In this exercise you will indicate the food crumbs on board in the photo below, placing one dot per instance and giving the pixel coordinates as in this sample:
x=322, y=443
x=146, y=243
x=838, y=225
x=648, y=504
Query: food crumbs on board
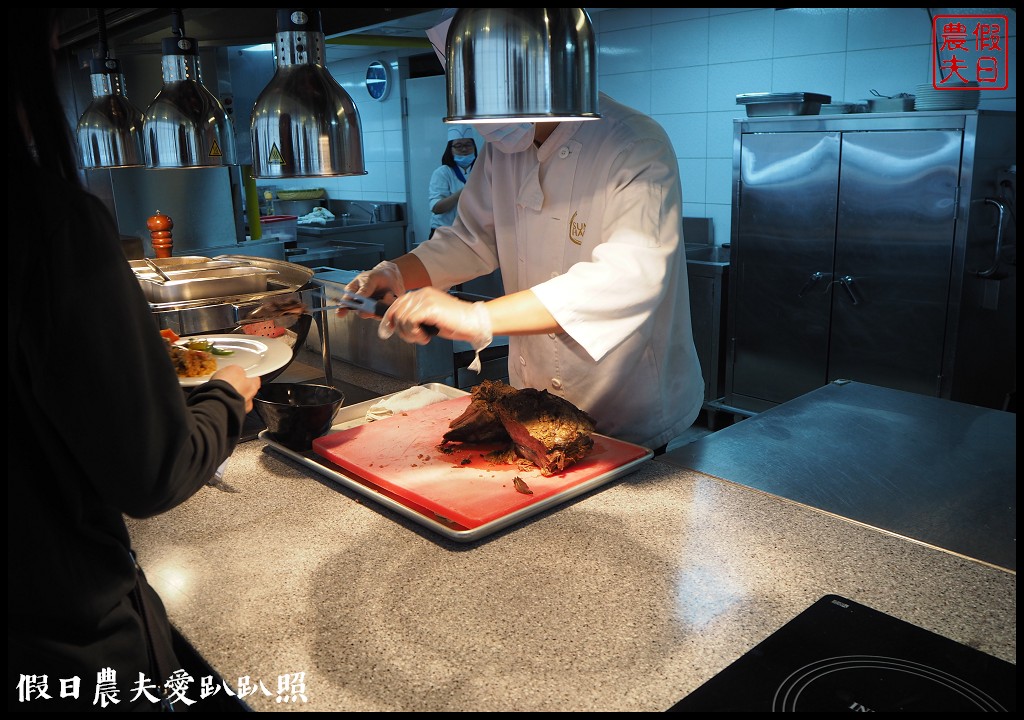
x=521, y=486
x=466, y=461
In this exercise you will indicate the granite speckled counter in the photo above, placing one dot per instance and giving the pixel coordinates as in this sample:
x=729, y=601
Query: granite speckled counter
x=624, y=599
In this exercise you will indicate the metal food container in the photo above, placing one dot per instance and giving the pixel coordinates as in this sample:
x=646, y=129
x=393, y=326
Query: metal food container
x=841, y=108
x=196, y=278
x=772, y=104
x=893, y=104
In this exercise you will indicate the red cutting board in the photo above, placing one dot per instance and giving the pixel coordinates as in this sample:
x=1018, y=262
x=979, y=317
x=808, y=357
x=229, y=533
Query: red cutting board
x=400, y=455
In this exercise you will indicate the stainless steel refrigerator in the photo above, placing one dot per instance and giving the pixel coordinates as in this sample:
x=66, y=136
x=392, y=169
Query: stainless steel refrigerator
x=873, y=247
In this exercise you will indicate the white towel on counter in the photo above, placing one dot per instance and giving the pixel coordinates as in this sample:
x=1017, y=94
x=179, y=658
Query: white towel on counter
x=410, y=399
x=318, y=216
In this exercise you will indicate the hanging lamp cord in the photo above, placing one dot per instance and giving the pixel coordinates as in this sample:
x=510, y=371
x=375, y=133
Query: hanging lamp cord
x=101, y=31
x=177, y=22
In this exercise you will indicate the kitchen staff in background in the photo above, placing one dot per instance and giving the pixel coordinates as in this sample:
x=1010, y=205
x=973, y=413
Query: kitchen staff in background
x=98, y=425
x=447, y=181
x=584, y=220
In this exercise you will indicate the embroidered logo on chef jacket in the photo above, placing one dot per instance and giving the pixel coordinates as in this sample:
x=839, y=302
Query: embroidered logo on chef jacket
x=576, y=229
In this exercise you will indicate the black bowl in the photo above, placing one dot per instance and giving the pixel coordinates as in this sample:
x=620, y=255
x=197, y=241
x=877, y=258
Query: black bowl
x=297, y=413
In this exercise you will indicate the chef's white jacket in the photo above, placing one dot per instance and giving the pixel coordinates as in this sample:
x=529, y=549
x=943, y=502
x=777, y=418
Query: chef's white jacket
x=591, y=222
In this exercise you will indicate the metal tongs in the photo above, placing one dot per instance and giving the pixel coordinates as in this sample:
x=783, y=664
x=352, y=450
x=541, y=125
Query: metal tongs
x=164, y=277
x=290, y=305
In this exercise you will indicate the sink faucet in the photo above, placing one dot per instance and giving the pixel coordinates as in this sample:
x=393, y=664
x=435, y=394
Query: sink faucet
x=371, y=210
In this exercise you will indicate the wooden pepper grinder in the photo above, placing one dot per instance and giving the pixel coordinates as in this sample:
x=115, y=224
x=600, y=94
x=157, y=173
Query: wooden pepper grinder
x=160, y=230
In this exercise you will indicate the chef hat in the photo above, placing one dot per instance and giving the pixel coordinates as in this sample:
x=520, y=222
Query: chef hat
x=457, y=132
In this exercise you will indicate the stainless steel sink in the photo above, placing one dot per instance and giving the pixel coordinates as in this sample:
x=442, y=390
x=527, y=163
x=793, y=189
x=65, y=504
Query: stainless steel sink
x=351, y=222
x=339, y=222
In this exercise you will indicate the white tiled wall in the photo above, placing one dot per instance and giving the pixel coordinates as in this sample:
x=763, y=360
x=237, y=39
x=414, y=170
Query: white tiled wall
x=685, y=66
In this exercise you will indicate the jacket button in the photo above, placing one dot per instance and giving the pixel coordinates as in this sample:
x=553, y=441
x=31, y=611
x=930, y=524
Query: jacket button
x=563, y=153
x=522, y=360
x=556, y=383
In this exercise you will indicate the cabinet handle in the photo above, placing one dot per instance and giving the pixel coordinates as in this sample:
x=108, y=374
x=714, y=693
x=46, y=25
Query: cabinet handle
x=814, y=278
x=847, y=282
x=999, y=240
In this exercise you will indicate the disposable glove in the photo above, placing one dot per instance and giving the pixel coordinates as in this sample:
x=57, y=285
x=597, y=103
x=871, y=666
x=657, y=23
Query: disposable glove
x=455, y=319
x=382, y=282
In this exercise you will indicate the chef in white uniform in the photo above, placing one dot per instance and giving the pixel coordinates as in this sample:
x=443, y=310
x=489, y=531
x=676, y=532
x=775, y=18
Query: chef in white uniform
x=584, y=221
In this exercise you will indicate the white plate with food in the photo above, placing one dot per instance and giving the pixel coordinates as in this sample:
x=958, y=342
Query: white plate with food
x=256, y=355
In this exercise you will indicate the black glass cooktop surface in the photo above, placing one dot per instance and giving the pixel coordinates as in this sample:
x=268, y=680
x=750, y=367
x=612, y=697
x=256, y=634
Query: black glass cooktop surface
x=840, y=656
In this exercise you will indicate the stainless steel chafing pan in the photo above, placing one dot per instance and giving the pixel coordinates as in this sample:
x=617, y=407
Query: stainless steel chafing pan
x=205, y=284
x=225, y=313
x=202, y=280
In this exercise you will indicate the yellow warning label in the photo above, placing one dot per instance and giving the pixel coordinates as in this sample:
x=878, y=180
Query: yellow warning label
x=275, y=156
x=215, y=150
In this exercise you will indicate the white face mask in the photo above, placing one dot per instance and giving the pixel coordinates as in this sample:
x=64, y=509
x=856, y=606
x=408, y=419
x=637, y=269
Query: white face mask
x=508, y=138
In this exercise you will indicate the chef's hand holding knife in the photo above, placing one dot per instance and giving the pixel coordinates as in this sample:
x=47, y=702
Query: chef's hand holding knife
x=454, y=319
x=411, y=314
x=419, y=315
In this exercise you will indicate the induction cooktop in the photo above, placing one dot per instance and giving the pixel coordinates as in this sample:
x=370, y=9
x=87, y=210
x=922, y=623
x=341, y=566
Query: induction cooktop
x=840, y=656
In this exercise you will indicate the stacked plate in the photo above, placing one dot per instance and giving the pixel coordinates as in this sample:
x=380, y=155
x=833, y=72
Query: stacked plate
x=950, y=96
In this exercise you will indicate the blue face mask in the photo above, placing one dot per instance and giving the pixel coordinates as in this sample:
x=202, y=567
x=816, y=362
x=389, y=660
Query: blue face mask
x=464, y=161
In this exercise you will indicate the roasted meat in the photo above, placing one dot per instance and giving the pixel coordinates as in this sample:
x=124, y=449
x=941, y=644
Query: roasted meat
x=479, y=424
x=545, y=429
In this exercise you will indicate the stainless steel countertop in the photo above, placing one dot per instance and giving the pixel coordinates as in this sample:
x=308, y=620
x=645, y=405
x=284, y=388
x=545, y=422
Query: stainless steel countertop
x=936, y=471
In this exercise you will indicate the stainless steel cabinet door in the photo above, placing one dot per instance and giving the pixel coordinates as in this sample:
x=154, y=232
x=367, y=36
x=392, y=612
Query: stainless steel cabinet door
x=894, y=246
x=783, y=263
x=843, y=259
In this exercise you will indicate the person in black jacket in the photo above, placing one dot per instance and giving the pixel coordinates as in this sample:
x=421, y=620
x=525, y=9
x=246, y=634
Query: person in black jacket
x=98, y=424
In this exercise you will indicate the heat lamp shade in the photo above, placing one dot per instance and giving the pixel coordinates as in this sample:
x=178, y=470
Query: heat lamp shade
x=304, y=124
x=185, y=124
x=109, y=132
x=527, y=64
